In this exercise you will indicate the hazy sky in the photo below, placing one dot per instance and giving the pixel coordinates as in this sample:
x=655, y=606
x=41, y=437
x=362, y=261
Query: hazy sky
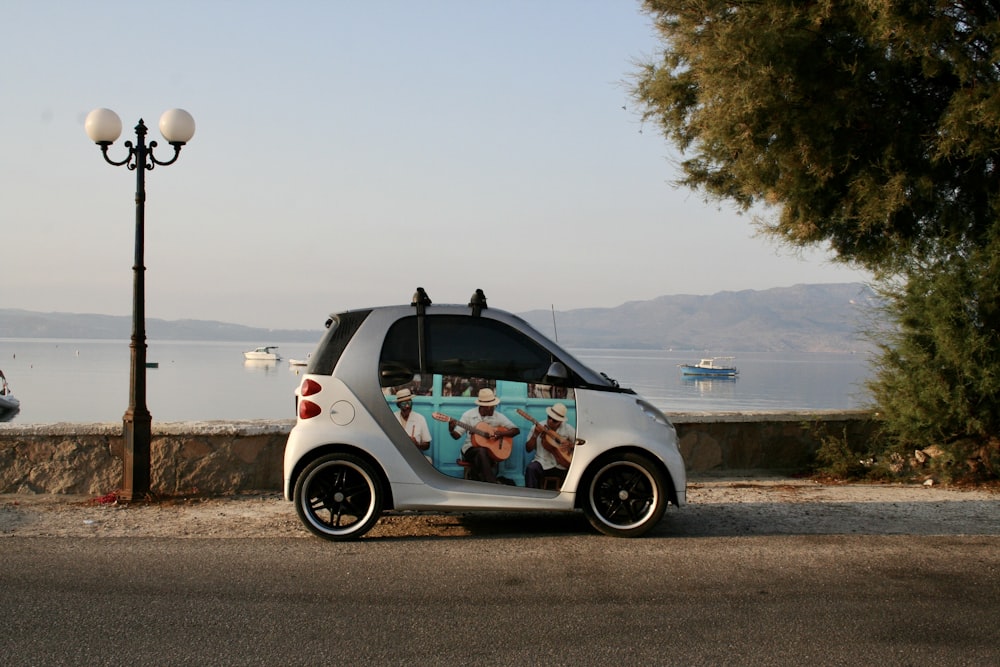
x=347, y=152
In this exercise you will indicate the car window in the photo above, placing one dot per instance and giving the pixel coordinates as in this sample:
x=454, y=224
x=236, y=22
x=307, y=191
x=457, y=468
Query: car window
x=484, y=348
x=400, y=354
x=339, y=331
x=466, y=346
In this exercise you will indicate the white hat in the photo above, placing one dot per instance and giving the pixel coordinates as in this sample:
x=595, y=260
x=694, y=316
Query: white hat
x=487, y=397
x=404, y=395
x=557, y=412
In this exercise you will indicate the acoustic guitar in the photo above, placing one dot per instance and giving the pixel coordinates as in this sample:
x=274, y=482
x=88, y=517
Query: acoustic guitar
x=483, y=435
x=561, y=448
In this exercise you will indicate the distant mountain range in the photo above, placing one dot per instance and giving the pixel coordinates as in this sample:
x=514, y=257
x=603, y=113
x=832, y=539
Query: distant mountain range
x=803, y=318
x=29, y=324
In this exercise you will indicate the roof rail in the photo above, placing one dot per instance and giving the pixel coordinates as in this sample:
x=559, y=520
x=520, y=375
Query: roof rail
x=420, y=300
x=478, y=303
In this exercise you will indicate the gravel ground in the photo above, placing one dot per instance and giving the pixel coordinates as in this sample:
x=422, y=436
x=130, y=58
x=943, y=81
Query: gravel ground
x=717, y=507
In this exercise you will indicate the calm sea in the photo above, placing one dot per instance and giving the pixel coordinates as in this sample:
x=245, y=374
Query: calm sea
x=87, y=380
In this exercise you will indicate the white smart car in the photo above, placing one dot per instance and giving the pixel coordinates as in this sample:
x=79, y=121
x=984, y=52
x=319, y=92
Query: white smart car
x=458, y=408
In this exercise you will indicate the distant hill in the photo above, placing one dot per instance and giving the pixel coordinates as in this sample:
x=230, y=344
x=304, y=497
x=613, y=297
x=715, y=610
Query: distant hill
x=803, y=318
x=28, y=324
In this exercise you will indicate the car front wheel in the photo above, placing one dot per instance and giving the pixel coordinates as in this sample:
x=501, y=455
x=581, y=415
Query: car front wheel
x=338, y=497
x=625, y=496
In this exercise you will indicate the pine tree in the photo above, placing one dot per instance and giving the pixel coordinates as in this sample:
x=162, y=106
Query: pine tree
x=871, y=127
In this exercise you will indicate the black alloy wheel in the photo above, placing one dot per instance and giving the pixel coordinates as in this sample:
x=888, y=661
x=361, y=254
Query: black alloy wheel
x=338, y=497
x=626, y=496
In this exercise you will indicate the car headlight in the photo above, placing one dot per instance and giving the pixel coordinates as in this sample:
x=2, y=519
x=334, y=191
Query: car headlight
x=653, y=413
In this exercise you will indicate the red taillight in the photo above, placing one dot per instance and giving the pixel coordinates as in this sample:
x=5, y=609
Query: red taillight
x=308, y=409
x=310, y=387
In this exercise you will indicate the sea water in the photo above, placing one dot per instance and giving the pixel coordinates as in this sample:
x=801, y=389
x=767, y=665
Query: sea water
x=88, y=380
x=766, y=381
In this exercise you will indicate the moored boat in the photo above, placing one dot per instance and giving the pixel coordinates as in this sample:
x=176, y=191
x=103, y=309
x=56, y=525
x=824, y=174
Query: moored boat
x=9, y=404
x=262, y=354
x=711, y=368
x=300, y=362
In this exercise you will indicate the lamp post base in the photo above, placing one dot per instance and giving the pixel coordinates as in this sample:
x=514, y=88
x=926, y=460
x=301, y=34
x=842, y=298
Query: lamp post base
x=136, y=456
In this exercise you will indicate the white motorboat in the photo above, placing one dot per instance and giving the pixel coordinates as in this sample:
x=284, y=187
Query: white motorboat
x=8, y=402
x=300, y=362
x=262, y=354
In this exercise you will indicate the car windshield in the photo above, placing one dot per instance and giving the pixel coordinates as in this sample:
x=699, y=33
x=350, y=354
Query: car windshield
x=588, y=376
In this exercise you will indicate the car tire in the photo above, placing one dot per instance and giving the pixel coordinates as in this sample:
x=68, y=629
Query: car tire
x=339, y=497
x=625, y=496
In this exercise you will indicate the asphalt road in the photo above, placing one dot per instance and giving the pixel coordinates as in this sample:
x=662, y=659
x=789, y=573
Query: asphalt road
x=562, y=597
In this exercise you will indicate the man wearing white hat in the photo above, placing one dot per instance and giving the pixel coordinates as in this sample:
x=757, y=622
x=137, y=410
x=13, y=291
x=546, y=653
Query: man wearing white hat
x=480, y=458
x=552, y=446
x=412, y=422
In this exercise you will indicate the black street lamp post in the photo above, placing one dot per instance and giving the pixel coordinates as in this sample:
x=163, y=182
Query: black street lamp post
x=104, y=127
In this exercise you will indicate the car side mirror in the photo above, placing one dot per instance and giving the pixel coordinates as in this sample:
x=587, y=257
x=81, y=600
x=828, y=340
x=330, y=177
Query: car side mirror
x=557, y=373
x=393, y=374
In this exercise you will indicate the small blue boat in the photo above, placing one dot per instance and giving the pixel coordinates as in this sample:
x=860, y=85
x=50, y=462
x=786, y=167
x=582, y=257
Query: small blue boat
x=711, y=368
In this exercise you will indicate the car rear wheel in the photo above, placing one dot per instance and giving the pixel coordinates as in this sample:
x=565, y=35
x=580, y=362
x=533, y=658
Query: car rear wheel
x=338, y=497
x=625, y=496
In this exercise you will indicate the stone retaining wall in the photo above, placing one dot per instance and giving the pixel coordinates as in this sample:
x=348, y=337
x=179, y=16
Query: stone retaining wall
x=778, y=442
x=220, y=458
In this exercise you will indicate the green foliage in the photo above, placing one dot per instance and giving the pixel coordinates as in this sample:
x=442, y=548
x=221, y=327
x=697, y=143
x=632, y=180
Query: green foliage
x=838, y=457
x=937, y=378
x=873, y=458
x=873, y=124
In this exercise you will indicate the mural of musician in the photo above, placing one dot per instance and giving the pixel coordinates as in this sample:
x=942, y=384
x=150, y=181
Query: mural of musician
x=489, y=436
x=496, y=438
x=553, y=443
x=412, y=422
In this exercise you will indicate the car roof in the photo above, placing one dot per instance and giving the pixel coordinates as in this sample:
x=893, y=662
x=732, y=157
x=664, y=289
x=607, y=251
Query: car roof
x=589, y=375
